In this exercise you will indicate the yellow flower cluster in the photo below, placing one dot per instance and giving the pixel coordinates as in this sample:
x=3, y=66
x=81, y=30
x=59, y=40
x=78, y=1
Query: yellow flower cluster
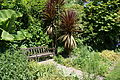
x=111, y=55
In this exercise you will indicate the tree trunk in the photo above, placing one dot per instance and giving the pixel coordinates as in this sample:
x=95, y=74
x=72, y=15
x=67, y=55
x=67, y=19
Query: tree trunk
x=67, y=52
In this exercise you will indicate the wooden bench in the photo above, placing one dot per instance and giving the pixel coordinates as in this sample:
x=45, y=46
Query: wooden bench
x=37, y=52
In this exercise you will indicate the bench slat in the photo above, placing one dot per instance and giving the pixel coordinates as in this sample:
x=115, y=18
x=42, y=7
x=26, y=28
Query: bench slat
x=36, y=52
x=40, y=55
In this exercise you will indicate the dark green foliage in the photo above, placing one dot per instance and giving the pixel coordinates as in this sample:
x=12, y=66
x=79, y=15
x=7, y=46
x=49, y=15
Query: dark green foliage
x=37, y=7
x=7, y=26
x=39, y=38
x=31, y=37
x=101, y=25
x=14, y=66
x=25, y=31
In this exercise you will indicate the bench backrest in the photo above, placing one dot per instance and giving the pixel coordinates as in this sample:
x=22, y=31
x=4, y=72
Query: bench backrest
x=37, y=51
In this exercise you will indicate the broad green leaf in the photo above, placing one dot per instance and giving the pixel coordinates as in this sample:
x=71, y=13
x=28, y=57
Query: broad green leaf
x=19, y=36
x=27, y=34
x=23, y=46
x=6, y=14
x=6, y=36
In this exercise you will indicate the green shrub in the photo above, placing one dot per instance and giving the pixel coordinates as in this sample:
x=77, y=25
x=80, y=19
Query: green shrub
x=37, y=7
x=39, y=38
x=86, y=60
x=47, y=72
x=14, y=66
x=90, y=61
x=54, y=77
x=102, y=28
x=60, y=49
x=41, y=70
x=29, y=23
x=115, y=73
x=64, y=61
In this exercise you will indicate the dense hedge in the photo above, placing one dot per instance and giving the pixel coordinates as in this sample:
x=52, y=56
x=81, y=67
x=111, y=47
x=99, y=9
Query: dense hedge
x=14, y=66
x=102, y=25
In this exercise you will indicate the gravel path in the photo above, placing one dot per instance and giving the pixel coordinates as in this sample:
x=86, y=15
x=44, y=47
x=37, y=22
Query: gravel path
x=69, y=71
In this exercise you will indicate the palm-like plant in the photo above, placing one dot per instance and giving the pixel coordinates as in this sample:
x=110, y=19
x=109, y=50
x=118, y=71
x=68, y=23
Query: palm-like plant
x=50, y=12
x=50, y=15
x=57, y=2
x=68, y=26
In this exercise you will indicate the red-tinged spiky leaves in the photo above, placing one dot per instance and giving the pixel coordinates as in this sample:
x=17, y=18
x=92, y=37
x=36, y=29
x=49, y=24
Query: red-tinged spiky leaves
x=68, y=21
x=57, y=2
x=49, y=12
x=60, y=2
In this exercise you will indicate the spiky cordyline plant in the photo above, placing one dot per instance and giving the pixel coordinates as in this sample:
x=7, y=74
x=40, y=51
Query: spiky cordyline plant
x=68, y=25
x=49, y=16
x=57, y=2
x=68, y=21
x=50, y=12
